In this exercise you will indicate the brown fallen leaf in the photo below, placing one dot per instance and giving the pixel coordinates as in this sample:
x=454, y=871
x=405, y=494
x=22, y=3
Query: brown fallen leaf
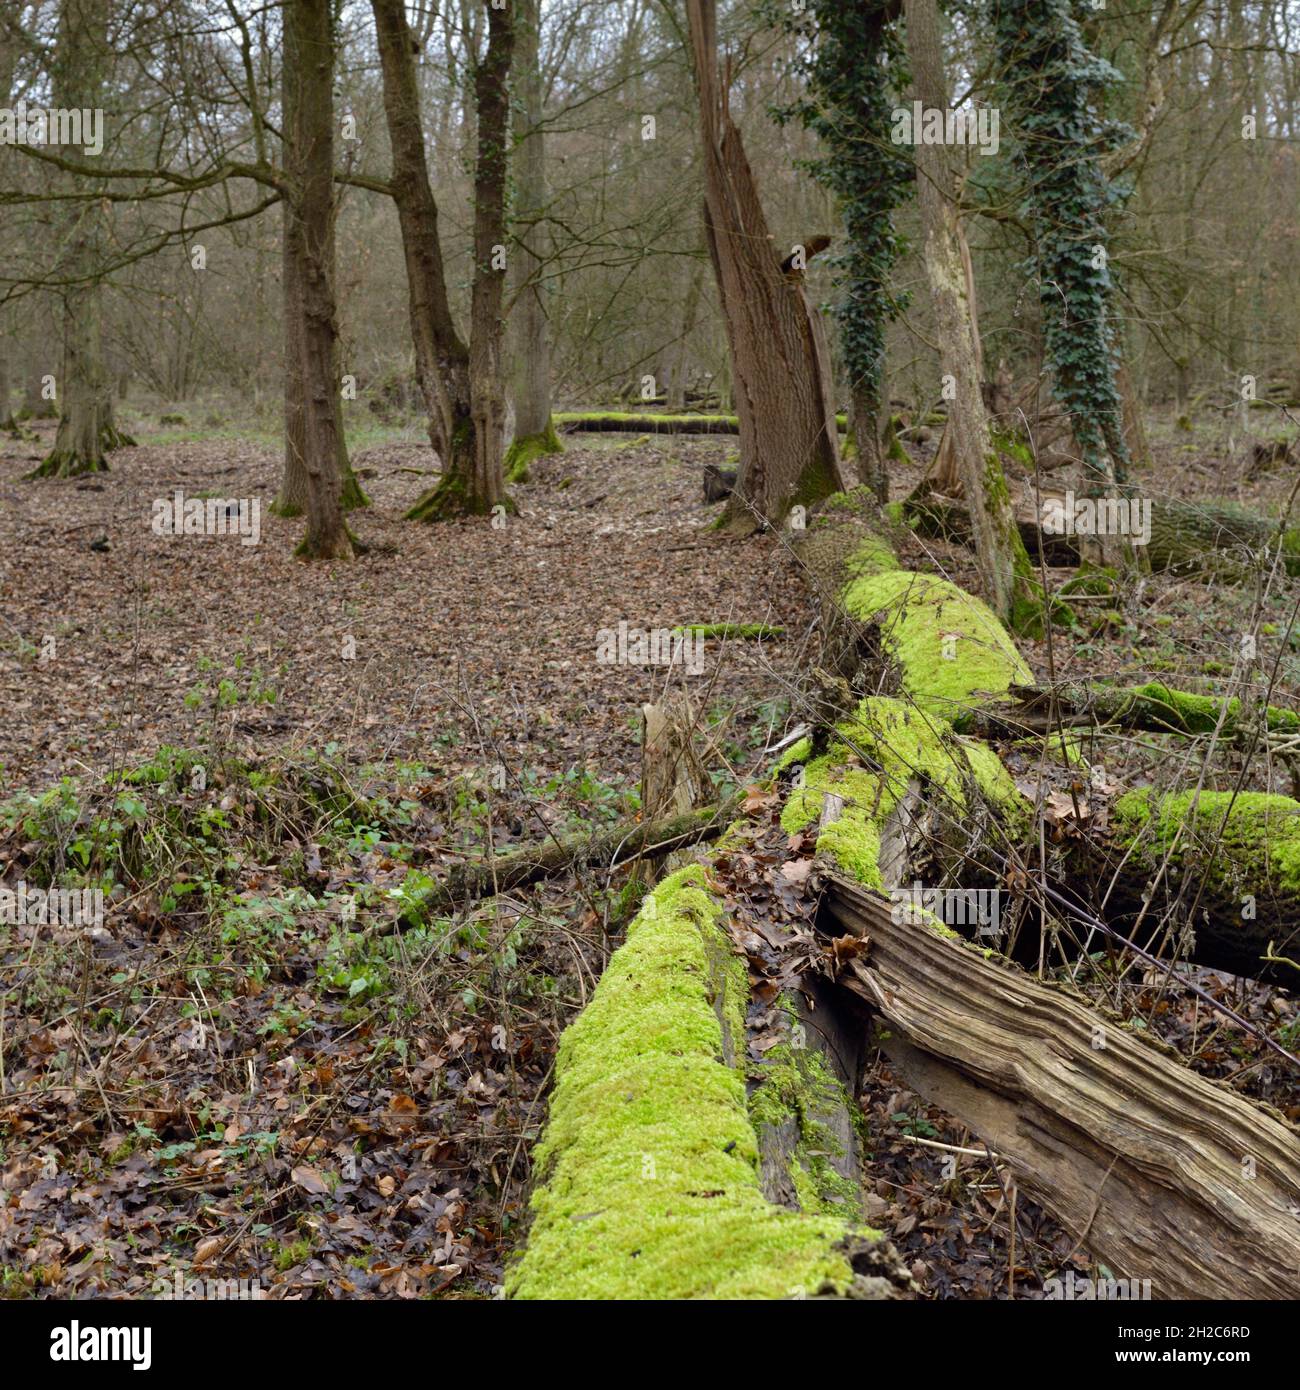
x=206, y=1249
x=310, y=1180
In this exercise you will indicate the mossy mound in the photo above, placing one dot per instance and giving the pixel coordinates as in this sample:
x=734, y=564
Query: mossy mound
x=1258, y=834
x=951, y=651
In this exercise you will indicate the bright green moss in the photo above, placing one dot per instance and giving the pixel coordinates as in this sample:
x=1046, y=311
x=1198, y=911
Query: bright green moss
x=998, y=786
x=795, y=1085
x=900, y=743
x=873, y=556
x=525, y=450
x=1260, y=839
x=953, y=653
x=796, y=753
x=1200, y=714
x=650, y=1183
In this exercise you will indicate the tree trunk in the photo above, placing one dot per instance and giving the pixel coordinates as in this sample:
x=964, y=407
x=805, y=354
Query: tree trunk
x=1003, y=564
x=7, y=421
x=789, y=453
x=534, y=432
x=873, y=459
x=483, y=488
x=35, y=404
x=675, y=386
x=441, y=358
x=310, y=315
x=292, y=497
x=462, y=386
x=86, y=426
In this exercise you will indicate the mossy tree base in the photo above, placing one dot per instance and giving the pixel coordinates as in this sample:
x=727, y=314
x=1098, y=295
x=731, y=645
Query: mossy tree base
x=527, y=449
x=451, y=500
x=353, y=496
x=68, y=465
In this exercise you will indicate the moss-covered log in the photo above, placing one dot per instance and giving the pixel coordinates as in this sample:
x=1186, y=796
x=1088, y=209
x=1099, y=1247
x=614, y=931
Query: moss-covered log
x=658, y=1171
x=1223, y=866
x=1194, y=536
x=1153, y=706
x=650, y=1168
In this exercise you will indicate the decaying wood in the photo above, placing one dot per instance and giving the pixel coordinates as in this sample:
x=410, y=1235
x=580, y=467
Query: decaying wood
x=1184, y=535
x=546, y=859
x=1164, y=1175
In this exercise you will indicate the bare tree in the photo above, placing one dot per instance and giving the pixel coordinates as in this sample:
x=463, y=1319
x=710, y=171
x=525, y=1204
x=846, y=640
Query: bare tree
x=312, y=422
x=534, y=432
x=462, y=385
x=789, y=450
x=86, y=427
x=1004, y=566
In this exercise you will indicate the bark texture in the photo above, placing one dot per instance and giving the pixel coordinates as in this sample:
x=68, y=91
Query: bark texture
x=462, y=385
x=789, y=452
x=1003, y=564
x=311, y=328
x=1162, y=1174
x=87, y=431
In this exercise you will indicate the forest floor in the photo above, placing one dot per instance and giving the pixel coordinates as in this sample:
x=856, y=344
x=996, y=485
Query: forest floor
x=248, y=1075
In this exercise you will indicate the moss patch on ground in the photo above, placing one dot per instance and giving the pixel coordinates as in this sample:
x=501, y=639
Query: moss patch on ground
x=649, y=1166
x=744, y=632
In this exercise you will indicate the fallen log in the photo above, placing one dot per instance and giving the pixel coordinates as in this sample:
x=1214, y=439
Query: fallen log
x=623, y=422
x=547, y=858
x=891, y=790
x=1183, y=535
x=650, y=1171
x=1165, y=1176
x=1154, y=707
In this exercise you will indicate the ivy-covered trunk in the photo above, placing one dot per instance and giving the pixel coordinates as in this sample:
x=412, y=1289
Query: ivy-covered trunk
x=1051, y=85
x=852, y=75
